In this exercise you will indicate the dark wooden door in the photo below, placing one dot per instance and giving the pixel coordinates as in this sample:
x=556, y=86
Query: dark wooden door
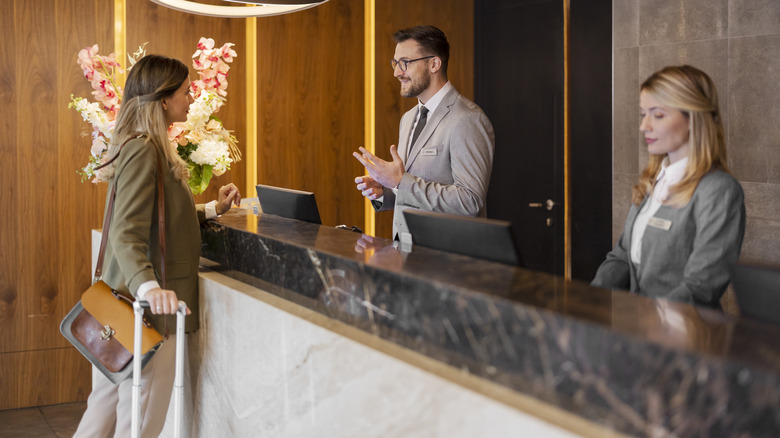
x=519, y=84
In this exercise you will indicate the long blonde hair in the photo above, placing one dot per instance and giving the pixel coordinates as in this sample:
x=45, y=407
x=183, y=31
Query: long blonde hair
x=690, y=91
x=151, y=79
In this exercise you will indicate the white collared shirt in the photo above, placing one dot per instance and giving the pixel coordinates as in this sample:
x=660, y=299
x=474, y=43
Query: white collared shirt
x=432, y=104
x=667, y=177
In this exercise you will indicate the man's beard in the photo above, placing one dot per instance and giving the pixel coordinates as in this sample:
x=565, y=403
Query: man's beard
x=417, y=87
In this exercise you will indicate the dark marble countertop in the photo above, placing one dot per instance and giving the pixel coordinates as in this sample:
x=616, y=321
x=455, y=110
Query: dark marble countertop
x=635, y=365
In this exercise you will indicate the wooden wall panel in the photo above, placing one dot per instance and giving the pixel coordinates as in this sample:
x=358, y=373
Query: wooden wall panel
x=37, y=130
x=45, y=249
x=10, y=324
x=48, y=214
x=456, y=19
x=76, y=203
x=310, y=99
x=43, y=377
x=176, y=34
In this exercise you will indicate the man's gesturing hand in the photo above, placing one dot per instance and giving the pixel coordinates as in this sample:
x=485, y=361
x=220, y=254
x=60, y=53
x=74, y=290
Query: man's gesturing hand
x=369, y=188
x=386, y=173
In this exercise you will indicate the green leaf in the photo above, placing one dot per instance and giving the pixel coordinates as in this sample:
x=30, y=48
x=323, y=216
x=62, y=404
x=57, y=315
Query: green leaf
x=206, y=178
x=186, y=151
x=200, y=176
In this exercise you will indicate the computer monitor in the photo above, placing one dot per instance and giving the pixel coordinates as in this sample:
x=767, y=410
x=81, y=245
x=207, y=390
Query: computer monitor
x=476, y=237
x=757, y=289
x=289, y=203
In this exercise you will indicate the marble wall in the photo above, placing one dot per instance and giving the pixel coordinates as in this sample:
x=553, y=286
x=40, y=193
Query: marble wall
x=258, y=370
x=737, y=42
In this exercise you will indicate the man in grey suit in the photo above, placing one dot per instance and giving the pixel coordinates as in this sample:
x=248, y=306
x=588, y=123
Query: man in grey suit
x=446, y=143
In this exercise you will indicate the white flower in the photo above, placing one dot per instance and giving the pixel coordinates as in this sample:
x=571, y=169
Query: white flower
x=92, y=113
x=214, y=152
x=201, y=109
x=99, y=144
x=222, y=166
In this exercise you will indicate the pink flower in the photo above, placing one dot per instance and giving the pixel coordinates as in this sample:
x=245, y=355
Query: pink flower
x=207, y=74
x=101, y=71
x=98, y=143
x=227, y=53
x=86, y=54
x=212, y=66
x=86, y=60
x=174, y=131
x=205, y=43
x=195, y=88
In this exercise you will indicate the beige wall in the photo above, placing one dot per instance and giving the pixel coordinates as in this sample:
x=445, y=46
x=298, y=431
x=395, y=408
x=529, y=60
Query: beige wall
x=737, y=42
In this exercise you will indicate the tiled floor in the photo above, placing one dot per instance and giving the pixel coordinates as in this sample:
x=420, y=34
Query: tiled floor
x=57, y=421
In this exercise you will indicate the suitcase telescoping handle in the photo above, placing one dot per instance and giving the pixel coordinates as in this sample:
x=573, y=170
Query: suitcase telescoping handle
x=178, y=384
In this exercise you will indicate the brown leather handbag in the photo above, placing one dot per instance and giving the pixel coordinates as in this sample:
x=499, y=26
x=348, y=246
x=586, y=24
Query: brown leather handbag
x=100, y=326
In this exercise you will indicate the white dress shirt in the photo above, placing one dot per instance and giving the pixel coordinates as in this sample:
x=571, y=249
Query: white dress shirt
x=667, y=177
x=432, y=104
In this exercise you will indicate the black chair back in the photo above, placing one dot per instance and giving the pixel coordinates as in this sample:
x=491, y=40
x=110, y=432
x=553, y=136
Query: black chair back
x=757, y=289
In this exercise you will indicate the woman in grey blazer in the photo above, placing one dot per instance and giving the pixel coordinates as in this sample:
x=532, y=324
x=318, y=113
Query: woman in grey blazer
x=687, y=218
x=157, y=94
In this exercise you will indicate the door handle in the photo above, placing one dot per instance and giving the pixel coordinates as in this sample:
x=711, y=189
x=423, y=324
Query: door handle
x=548, y=204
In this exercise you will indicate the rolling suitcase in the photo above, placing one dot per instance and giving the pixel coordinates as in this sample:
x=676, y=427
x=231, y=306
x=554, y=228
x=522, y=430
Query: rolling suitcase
x=178, y=381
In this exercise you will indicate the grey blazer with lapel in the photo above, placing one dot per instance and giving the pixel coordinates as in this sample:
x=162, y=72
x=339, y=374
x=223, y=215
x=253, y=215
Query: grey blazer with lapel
x=448, y=169
x=690, y=261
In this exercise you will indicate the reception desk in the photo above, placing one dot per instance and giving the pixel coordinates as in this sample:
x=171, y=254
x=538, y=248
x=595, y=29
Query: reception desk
x=305, y=335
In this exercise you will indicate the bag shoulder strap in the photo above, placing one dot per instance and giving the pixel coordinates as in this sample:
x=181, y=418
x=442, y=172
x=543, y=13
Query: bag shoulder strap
x=110, y=211
x=161, y=217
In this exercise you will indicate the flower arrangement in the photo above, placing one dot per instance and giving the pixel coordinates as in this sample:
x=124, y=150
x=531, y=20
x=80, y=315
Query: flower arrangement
x=202, y=141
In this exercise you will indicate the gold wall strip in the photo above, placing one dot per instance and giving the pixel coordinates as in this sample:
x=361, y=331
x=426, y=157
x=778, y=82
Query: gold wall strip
x=369, y=39
x=566, y=147
x=120, y=36
x=250, y=154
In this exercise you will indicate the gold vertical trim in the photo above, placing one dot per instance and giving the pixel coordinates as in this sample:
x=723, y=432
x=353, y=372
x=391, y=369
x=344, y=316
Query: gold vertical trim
x=250, y=152
x=120, y=36
x=369, y=39
x=566, y=146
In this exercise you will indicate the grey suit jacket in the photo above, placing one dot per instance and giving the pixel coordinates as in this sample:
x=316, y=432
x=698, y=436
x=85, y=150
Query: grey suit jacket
x=133, y=250
x=448, y=169
x=690, y=261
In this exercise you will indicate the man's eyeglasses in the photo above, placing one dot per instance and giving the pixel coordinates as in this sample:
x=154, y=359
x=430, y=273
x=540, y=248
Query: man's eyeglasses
x=404, y=63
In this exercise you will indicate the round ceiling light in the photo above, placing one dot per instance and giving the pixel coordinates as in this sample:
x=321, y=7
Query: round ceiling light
x=260, y=8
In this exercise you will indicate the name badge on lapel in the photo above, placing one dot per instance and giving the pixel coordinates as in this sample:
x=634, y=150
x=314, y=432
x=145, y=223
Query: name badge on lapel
x=429, y=152
x=659, y=223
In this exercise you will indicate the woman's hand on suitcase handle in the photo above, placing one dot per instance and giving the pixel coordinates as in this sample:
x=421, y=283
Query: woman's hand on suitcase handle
x=163, y=301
